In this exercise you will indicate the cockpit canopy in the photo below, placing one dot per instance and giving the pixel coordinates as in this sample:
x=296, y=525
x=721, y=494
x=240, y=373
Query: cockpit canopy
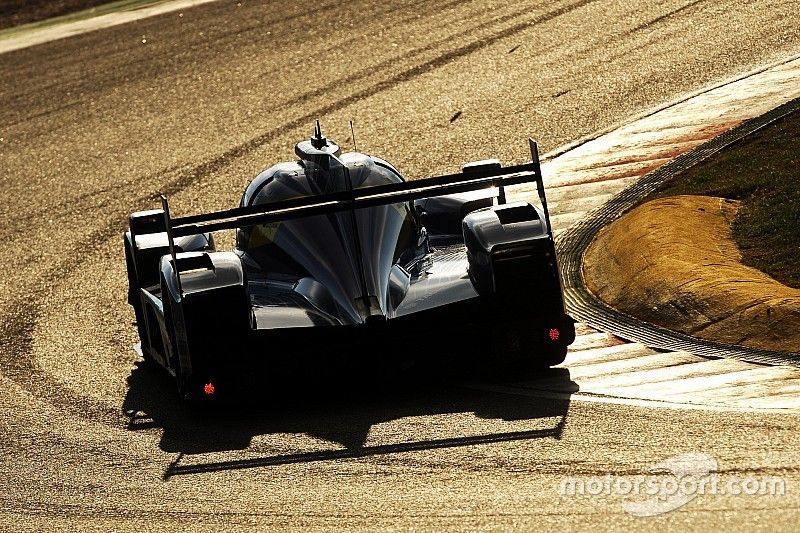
x=351, y=253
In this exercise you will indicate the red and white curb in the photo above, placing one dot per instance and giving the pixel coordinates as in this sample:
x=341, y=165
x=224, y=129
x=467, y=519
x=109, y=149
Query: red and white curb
x=605, y=368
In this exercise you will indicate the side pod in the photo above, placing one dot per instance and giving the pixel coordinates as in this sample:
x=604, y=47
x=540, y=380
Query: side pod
x=512, y=264
x=510, y=252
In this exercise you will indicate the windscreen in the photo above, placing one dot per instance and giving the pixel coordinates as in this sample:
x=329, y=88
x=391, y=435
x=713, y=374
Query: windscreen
x=350, y=253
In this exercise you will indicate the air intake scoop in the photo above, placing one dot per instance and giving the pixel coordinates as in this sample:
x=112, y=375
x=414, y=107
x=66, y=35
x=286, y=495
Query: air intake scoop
x=318, y=149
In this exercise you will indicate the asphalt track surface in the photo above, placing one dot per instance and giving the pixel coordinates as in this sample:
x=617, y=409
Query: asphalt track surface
x=195, y=104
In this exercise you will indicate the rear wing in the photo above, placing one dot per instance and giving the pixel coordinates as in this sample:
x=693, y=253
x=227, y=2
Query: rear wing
x=470, y=179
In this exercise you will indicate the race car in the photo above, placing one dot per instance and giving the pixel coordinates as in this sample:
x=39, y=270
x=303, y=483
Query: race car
x=338, y=260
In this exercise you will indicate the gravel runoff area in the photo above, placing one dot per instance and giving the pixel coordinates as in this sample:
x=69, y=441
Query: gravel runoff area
x=214, y=96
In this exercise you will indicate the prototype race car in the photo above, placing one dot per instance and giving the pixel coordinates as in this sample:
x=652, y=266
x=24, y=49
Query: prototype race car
x=339, y=259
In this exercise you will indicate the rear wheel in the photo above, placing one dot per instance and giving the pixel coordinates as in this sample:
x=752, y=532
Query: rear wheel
x=135, y=301
x=171, y=346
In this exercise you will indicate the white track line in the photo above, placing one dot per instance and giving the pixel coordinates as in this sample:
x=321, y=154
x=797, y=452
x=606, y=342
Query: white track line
x=604, y=368
x=32, y=37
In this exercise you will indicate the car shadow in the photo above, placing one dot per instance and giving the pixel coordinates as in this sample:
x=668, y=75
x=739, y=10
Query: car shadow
x=342, y=410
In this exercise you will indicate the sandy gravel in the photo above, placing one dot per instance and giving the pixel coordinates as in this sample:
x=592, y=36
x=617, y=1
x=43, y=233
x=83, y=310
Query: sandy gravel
x=673, y=262
x=195, y=104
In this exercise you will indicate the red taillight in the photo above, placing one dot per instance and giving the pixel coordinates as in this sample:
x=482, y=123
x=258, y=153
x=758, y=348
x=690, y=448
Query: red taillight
x=553, y=334
x=209, y=389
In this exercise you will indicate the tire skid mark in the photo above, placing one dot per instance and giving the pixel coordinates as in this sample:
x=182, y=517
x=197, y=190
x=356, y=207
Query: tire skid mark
x=13, y=224
x=169, y=55
x=45, y=113
x=212, y=166
x=665, y=16
x=368, y=71
x=18, y=364
x=18, y=323
x=66, y=57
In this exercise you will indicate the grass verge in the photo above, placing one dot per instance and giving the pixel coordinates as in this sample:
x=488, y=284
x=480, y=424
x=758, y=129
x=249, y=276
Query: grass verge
x=763, y=171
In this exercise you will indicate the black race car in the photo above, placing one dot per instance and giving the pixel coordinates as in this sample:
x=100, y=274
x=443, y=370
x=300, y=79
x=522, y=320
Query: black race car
x=340, y=261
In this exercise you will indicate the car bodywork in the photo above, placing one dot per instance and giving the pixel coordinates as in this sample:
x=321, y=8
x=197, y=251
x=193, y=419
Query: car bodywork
x=339, y=259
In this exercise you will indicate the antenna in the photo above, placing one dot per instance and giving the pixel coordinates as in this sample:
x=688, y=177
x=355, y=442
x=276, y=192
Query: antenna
x=353, y=133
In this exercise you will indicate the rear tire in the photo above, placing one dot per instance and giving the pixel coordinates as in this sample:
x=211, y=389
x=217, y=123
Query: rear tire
x=135, y=301
x=173, y=357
